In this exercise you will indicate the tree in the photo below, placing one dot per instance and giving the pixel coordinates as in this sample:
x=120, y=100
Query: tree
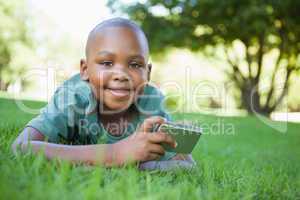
x=14, y=40
x=259, y=28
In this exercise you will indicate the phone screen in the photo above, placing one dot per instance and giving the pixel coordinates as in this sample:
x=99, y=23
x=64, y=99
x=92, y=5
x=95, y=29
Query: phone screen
x=186, y=136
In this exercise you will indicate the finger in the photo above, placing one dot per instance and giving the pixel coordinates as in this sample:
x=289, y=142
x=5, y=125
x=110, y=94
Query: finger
x=153, y=156
x=179, y=157
x=149, y=123
x=160, y=137
x=156, y=148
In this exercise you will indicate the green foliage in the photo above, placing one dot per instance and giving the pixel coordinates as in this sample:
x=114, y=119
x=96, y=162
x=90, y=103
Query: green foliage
x=15, y=41
x=258, y=27
x=196, y=24
x=251, y=163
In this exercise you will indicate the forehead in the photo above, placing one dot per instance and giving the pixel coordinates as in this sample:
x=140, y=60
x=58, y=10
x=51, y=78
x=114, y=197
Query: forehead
x=117, y=40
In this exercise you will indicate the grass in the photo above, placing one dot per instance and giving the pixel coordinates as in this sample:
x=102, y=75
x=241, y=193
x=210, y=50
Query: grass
x=253, y=162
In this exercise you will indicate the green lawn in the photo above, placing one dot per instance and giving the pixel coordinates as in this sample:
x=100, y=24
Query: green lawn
x=256, y=162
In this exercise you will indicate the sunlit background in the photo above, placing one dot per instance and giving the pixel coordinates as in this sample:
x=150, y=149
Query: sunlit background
x=58, y=31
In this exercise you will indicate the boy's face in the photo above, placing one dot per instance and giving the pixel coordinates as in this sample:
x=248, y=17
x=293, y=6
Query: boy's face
x=116, y=67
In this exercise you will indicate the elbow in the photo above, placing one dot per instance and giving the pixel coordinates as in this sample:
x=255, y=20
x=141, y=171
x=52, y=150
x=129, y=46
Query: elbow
x=22, y=141
x=14, y=146
x=186, y=159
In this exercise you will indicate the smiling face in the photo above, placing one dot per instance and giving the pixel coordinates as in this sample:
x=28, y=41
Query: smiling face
x=116, y=66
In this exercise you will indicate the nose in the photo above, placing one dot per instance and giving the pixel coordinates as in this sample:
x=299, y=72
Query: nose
x=120, y=74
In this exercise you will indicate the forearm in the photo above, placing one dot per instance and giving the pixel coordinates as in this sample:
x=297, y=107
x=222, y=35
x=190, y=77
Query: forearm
x=102, y=154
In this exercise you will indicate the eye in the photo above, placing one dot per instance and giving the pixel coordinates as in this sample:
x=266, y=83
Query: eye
x=107, y=63
x=135, y=65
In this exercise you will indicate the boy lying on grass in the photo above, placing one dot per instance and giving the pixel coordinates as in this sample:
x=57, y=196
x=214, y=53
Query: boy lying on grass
x=105, y=115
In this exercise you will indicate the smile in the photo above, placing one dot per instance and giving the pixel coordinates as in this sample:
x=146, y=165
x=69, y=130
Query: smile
x=120, y=93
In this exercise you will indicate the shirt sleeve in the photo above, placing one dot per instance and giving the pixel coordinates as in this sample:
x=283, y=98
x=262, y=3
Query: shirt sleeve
x=55, y=119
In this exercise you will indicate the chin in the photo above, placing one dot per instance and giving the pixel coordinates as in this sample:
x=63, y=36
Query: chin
x=116, y=107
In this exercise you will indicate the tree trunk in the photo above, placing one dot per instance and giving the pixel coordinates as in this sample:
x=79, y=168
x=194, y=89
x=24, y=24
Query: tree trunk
x=3, y=86
x=251, y=100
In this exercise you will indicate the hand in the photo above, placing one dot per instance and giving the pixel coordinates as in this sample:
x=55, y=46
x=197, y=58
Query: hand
x=180, y=156
x=184, y=157
x=143, y=145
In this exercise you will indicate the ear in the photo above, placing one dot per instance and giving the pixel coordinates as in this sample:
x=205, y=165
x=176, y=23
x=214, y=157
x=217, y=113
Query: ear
x=83, y=70
x=149, y=66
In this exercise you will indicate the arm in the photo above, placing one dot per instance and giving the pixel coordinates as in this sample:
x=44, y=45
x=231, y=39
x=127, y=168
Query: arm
x=141, y=146
x=32, y=139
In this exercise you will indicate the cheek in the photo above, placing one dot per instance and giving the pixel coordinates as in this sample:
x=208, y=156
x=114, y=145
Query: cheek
x=139, y=79
x=98, y=77
x=139, y=84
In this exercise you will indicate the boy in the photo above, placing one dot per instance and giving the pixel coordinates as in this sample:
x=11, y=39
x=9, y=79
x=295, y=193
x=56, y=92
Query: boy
x=104, y=115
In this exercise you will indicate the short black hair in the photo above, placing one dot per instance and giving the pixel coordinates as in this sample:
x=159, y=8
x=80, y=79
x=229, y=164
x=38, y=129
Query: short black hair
x=117, y=22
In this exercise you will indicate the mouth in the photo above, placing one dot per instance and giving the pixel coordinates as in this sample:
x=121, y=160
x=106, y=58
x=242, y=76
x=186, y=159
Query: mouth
x=119, y=92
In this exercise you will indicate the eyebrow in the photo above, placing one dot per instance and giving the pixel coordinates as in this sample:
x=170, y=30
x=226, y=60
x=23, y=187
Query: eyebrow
x=131, y=56
x=104, y=53
x=137, y=56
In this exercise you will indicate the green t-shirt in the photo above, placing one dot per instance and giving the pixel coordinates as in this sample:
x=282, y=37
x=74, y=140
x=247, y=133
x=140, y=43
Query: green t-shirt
x=71, y=116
